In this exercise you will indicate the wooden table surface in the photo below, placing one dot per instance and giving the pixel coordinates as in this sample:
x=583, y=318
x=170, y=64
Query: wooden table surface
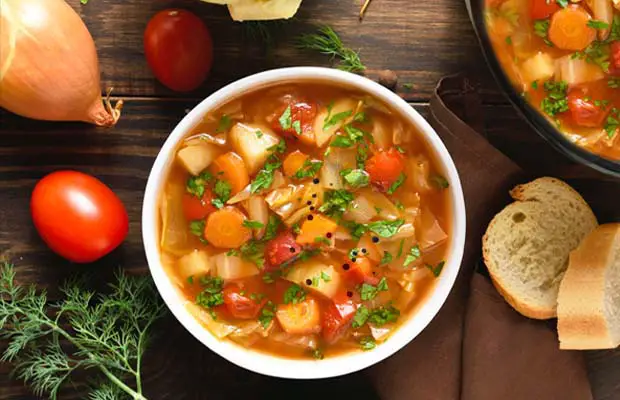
x=420, y=40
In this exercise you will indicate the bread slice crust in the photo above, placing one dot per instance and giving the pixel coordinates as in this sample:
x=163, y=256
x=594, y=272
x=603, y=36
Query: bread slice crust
x=555, y=218
x=583, y=321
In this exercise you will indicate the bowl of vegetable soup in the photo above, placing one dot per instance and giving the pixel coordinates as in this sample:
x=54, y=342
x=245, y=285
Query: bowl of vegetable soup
x=559, y=63
x=304, y=223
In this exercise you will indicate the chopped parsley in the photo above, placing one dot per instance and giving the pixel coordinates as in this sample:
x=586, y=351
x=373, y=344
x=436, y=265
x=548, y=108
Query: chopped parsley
x=336, y=202
x=413, y=255
x=309, y=169
x=356, y=230
x=268, y=278
x=197, y=228
x=294, y=294
x=377, y=317
x=368, y=343
x=596, y=53
x=232, y=253
x=253, y=251
x=267, y=314
x=556, y=101
x=611, y=125
x=436, y=270
x=318, y=354
x=598, y=24
x=439, y=181
x=400, y=248
x=332, y=120
x=369, y=292
x=271, y=230
x=541, y=29
x=362, y=155
x=285, y=119
x=211, y=295
x=361, y=117
x=355, y=178
x=265, y=176
x=297, y=127
x=561, y=3
x=196, y=185
x=279, y=148
x=397, y=183
x=259, y=134
x=385, y=229
x=224, y=124
x=322, y=240
x=222, y=192
x=351, y=136
x=326, y=278
x=253, y=224
x=386, y=259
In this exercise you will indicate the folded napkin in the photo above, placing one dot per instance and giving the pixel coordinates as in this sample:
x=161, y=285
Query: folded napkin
x=478, y=347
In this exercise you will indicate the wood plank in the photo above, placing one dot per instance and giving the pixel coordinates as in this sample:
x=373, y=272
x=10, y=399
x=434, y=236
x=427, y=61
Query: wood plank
x=426, y=39
x=122, y=158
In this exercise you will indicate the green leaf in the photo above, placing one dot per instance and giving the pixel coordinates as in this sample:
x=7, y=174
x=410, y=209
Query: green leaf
x=598, y=24
x=197, y=228
x=341, y=141
x=369, y=292
x=297, y=127
x=336, y=202
x=397, y=183
x=368, y=343
x=356, y=178
x=436, y=270
x=386, y=229
x=386, y=259
x=267, y=314
x=196, y=185
x=271, y=231
x=439, y=181
x=222, y=192
x=253, y=224
x=360, y=317
x=413, y=256
x=327, y=41
x=253, y=251
x=224, y=125
x=383, y=315
x=294, y=294
x=309, y=169
x=285, y=119
x=336, y=118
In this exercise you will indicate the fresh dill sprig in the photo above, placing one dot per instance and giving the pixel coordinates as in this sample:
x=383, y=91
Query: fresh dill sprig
x=104, y=332
x=327, y=41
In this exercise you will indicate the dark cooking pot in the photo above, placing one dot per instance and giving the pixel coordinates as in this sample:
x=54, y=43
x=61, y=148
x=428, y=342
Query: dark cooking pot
x=544, y=128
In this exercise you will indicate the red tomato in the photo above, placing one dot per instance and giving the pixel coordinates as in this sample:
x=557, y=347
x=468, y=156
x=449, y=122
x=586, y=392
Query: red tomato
x=195, y=208
x=360, y=271
x=179, y=49
x=337, y=318
x=78, y=216
x=280, y=250
x=302, y=121
x=584, y=112
x=240, y=305
x=542, y=9
x=385, y=168
x=614, y=67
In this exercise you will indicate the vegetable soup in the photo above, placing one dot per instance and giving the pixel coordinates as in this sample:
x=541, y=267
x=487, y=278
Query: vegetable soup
x=564, y=56
x=304, y=221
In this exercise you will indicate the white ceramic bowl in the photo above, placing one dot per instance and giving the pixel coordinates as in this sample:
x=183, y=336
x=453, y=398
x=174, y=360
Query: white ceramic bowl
x=264, y=363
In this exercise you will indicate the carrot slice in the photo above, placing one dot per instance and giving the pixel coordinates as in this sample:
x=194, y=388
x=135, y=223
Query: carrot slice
x=231, y=168
x=300, y=319
x=569, y=29
x=225, y=228
x=293, y=163
x=316, y=226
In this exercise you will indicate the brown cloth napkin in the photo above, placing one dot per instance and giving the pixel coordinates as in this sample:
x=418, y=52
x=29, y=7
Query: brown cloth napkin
x=477, y=347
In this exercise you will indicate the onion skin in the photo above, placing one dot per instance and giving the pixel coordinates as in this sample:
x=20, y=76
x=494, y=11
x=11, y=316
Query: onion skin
x=48, y=64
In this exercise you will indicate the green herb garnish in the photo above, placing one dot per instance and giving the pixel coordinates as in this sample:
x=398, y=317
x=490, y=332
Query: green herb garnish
x=413, y=255
x=336, y=202
x=355, y=178
x=327, y=41
x=253, y=224
x=267, y=314
x=309, y=169
x=222, y=192
x=368, y=343
x=224, y=124
x=436, y=270
x=556, y=101
x=285, y=119
x=107, y=334
x=386, y=259
x=196, y=185
x=294, y=294
x=386, y=229
x=369, y=292
x=397, y=183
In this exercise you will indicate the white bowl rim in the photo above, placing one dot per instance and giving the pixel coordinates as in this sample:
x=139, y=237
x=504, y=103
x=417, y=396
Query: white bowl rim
x=271, y=365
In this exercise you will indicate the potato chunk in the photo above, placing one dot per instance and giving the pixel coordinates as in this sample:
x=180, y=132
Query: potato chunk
x=252, y=145
x=324, y=278
x=194, y=264
x=197, y=157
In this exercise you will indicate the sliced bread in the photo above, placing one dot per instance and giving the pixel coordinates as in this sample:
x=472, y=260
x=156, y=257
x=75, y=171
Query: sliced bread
x=589, y=298
x=526, y=246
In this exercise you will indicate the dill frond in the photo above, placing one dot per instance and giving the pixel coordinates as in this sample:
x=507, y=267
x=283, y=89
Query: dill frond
x=327, y=41
x=104, y=332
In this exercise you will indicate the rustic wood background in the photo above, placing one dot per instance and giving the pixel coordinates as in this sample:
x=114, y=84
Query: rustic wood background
x=420, y=40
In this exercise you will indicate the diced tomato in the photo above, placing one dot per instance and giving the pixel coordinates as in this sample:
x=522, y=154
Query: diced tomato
x=385, y=167
x=195, y=208
x=585, y=112
x=281, y=249
x=360, y=271
x=541, y=9
x=614, y=58
x=301, y=121
x=337, y=318
x=240, y=305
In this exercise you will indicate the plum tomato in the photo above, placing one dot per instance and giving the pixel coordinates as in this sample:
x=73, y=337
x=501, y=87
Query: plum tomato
x=281, y=249
x=584, y=112
x=240, y=305
x=178, y=49
x=78, y=216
